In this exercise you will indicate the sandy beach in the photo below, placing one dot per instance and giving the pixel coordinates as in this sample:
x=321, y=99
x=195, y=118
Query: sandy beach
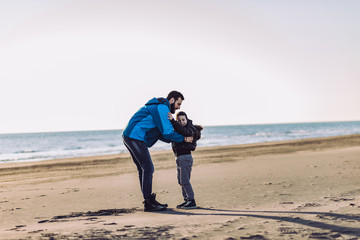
x=303, y=189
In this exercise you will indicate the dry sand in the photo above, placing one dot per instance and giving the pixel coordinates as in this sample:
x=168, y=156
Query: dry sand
x=306, y=189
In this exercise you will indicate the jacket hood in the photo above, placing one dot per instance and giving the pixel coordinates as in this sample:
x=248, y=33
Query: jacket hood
x=189, y=122
x=156, y=101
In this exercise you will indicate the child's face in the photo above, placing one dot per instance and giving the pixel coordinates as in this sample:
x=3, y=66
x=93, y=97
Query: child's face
x=182, y=120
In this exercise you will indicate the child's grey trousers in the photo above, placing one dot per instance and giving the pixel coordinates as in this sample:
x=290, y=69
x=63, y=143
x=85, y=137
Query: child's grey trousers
x=184, y=164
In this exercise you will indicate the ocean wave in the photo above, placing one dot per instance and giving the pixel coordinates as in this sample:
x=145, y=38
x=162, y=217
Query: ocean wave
x=88, y=140
x=263, y=134
x=297, y=132
x=64, y=153
x=27, y=151
x=72, y=148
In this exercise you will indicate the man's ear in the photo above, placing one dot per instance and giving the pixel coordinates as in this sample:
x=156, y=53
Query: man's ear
x=172, y=100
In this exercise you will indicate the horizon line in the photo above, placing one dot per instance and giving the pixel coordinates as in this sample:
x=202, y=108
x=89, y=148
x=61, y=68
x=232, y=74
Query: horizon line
x=224, y=125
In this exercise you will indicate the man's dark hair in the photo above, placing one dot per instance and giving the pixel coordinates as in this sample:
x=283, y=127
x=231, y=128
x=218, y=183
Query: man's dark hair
x=176, y=95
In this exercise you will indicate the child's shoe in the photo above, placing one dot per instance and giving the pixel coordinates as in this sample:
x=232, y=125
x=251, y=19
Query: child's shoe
x=180, y=205
x=190, y=204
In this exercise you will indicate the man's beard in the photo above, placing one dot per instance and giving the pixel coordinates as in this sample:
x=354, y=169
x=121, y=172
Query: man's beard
x=172, y=108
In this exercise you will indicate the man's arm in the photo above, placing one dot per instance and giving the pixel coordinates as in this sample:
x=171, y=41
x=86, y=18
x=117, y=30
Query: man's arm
x=164, y=139
x=165, y=126
x=186, y=132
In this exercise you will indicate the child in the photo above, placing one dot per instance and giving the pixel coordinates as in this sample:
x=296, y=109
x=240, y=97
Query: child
x=184, y=160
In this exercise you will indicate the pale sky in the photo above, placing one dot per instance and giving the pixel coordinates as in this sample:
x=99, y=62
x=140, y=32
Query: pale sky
x=90, y=65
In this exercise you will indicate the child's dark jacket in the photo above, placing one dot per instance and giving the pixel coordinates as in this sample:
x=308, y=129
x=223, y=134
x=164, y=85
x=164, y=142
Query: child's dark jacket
x=188, y=130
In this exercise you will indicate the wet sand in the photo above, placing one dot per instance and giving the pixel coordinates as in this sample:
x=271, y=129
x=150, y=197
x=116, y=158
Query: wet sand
x=305, y=189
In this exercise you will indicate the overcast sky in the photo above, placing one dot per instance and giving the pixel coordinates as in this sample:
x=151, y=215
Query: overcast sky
x=89, y=65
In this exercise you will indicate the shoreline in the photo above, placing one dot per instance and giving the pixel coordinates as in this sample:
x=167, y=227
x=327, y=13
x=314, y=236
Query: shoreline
x=296, y=189
x=42, y=146
x=347, y=140
x=112, y=165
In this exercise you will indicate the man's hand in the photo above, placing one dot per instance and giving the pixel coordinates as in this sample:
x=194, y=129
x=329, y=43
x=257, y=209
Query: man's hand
x=189, y=139
x=170, y=116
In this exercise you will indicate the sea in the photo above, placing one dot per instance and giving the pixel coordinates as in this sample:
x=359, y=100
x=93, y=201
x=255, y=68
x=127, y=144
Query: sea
x=25, y=147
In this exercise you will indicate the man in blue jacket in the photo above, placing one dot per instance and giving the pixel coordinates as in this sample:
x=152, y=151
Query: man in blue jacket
x=149, y=124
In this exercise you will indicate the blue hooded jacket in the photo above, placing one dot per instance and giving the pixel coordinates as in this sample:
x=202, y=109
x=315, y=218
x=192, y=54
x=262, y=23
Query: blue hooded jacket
x=150, y=123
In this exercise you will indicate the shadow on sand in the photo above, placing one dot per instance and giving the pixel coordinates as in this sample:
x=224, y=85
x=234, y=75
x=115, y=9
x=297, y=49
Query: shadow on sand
x=263, y=214
x=269, y=215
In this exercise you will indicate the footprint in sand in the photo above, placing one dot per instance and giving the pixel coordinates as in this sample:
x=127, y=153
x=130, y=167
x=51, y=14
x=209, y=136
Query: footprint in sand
x=18, y=228
x=71, y=190
x=36, y=231
x=257, y=237
x=287, y=230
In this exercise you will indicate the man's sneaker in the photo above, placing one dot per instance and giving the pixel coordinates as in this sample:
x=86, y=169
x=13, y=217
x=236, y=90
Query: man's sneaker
x=180, y=205
x=189, y=205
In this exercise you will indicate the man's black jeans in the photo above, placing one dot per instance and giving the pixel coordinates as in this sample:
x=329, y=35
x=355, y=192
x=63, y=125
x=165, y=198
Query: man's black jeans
x=141, y=157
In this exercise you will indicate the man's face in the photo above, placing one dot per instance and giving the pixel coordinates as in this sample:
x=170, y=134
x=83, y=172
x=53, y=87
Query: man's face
x=176, y=105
